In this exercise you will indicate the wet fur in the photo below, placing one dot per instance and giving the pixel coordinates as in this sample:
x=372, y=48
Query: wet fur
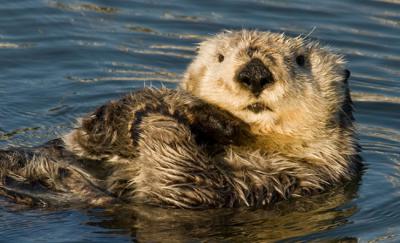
x=199, y=147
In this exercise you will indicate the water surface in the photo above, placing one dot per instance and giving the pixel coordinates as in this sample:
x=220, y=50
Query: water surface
x=61, y=59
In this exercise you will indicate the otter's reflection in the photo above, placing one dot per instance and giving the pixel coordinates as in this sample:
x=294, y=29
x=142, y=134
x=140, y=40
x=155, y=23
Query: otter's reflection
x=284, y=220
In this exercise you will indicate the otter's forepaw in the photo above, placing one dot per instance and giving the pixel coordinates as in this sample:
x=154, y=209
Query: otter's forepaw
x=215, y=126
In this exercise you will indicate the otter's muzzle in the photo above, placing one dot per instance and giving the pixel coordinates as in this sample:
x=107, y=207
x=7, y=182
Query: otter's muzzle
x=255, y=76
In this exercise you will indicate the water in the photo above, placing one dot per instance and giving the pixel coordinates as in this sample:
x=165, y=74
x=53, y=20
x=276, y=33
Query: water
x=61, y=59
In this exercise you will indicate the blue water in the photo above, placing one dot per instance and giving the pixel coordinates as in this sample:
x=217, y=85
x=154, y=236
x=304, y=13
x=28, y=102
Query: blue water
x=61, y=59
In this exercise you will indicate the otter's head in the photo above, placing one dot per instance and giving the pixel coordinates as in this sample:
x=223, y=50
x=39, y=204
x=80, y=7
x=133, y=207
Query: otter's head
x=273, y=82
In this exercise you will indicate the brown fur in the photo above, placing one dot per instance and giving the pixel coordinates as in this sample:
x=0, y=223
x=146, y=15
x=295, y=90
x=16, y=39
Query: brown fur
x=201, y=147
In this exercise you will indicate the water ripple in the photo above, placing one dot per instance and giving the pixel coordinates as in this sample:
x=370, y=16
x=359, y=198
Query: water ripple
x=79, y=7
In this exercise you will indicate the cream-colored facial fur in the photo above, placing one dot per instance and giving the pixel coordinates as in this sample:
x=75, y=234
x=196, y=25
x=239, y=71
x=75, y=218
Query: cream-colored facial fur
x=302, y=99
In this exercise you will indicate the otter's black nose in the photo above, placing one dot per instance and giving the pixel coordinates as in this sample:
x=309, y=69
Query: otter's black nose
x=255, y=76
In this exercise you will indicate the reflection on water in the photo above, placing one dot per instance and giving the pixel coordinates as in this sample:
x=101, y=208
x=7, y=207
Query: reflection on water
x=61, y=59
x=312, y=215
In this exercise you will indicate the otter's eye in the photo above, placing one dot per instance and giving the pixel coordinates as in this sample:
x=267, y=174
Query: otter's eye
x=220, y=58
x=300, y=60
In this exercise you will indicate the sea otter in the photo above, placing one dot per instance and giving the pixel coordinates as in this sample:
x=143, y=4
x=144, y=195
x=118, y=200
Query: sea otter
x=259, y=117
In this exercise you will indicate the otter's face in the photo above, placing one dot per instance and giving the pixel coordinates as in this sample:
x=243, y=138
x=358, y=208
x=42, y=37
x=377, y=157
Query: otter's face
x=271, y=81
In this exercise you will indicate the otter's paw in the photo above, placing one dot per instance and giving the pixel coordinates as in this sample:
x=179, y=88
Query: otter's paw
x=212, y=125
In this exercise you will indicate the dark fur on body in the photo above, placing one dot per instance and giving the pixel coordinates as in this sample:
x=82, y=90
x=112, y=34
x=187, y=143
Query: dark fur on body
x=113, y=150
x=193, y=149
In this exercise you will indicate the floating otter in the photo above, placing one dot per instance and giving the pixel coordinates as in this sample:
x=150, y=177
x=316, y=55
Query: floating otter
x=260, y=117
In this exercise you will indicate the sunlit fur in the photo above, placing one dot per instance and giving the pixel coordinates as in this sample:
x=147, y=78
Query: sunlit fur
x=200, y=146
x=302, y=99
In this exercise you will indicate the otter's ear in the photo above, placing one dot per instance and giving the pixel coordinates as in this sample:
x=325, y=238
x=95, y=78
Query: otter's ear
x=193, y=76
x=347, y=74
